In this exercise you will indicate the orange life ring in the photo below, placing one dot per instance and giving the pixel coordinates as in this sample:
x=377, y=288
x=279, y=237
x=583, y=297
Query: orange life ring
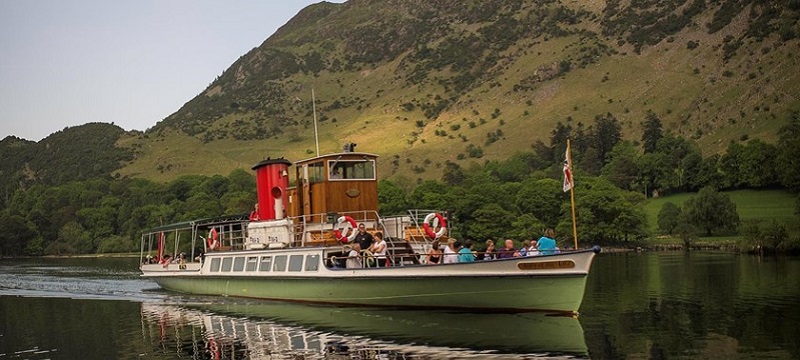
x=439, y=221
x=339, y=231
x=213, y=239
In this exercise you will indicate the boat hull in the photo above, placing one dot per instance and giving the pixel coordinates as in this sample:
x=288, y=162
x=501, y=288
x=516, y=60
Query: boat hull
x=521, y=284
x=559, y=293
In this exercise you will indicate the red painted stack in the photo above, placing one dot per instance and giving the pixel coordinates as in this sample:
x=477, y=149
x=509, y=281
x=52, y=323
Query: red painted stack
x=272, y=179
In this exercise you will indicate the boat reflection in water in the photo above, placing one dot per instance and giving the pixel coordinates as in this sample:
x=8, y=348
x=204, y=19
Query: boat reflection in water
x=264, y=329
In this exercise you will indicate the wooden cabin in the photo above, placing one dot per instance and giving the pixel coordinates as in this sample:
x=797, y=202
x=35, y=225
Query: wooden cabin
x=334, y=184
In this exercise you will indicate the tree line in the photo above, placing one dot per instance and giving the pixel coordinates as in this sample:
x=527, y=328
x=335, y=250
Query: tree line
x=515, y=198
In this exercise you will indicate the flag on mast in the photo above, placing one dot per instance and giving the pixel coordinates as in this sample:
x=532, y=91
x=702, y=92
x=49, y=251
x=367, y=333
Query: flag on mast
x=568, y=183
x=160, y=246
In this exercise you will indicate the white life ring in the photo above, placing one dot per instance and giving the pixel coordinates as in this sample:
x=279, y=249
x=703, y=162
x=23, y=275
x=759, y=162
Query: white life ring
x=429, y=226
x=213, y=239
x=344, y=224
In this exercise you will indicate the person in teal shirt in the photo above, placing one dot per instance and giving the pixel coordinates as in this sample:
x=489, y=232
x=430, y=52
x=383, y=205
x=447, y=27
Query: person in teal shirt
x=464, y=254
x=547, y=243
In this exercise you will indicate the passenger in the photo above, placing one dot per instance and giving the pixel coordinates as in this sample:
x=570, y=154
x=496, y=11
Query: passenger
x=254, y=214
x=547, y=243
x=354, y=257
x=464, y=253
x=166, y=260
x=435, y=253
x=471, y=246
x=335, y=173
x=450, y=254
x=364, y=238
x=528, y=249
x=182, y=261
x=489, y=253
x=509, y=251
x=379, y=249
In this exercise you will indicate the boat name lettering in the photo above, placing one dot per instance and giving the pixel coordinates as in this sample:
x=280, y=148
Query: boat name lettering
x=562, y=264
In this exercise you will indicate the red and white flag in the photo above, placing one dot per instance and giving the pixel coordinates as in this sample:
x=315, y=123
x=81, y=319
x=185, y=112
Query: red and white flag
x=568, y=182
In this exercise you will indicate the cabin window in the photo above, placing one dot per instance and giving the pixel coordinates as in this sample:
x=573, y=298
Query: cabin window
x=238, y=263
x=215, y=264
x=312, y=262
x=296, y=263
x=266, y=261
x=316, y=172
x=351, y=169
x=280, y=263
x=226, y=263
x=252, y=261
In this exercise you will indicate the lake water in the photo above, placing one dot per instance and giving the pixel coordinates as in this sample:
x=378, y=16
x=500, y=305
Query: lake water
x=669, y=305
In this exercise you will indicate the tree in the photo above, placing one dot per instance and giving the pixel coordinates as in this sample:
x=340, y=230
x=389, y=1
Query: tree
x=651, y=133
x=709, y=210
x=685, y=230
x=391, y=198
x=788, y=159
x=623, y=169
x=240, y=180
x=606, y=134
x=681, y=159
x=605, y=213
x=540, y=199
x=453, y=174
x=490, y=222
x=17, y=233
x=668, y=217
x=758, y=165
x=558, y=141
x=588, y=163
x=730, y=165
x=707, y=173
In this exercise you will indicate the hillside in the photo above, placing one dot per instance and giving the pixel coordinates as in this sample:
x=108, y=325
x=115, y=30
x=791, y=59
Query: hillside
x=425, y=80
x=74, y=153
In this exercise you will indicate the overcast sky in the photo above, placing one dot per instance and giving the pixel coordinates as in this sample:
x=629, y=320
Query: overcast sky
x=69, y=62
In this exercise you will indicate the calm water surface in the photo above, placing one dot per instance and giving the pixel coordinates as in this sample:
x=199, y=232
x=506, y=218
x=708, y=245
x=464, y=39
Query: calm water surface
x=637, y=305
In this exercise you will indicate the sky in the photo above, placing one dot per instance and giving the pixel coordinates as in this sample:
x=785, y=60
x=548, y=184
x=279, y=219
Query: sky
x=132, y=63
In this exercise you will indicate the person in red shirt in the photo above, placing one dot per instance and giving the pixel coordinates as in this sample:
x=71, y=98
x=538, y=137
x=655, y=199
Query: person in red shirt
x=254, y=214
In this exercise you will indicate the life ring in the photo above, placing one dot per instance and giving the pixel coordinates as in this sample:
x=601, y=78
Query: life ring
x=213, y=239
x=438, y=222
x=340, y=230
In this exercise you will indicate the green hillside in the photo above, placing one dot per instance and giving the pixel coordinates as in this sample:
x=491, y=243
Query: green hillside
x=752, y=205
x=425, y=80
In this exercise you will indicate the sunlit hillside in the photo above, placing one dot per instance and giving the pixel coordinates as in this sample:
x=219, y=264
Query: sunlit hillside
x=425, y=81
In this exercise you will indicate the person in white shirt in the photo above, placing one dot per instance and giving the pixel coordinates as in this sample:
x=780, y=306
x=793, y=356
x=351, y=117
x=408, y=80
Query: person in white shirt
x=354, y=257
x=379, y=249
x=450, y=254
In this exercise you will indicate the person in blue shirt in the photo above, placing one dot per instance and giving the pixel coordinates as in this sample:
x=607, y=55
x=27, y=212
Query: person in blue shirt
x=547, y=243
x=464, y=254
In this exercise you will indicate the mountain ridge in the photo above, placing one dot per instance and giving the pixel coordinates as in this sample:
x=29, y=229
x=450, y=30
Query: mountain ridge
x=428, y=82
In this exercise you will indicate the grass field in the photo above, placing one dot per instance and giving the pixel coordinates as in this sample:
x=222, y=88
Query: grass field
x=753, y=205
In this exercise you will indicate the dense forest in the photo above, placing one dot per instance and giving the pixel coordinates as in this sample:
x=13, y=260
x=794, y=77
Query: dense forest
x=515, y=198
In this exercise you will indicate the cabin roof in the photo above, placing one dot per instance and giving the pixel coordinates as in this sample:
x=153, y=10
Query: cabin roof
x=337, y=155
x=197, y=222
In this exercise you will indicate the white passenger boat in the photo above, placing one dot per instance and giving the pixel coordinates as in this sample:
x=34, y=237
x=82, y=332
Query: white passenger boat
x=295, y=246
